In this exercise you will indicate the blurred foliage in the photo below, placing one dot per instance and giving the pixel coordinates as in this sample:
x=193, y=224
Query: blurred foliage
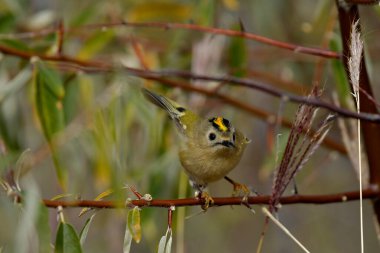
x=90, y=131
x=67, y=240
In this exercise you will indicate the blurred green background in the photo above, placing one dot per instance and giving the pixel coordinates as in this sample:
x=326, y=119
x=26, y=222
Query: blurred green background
x=110, y=136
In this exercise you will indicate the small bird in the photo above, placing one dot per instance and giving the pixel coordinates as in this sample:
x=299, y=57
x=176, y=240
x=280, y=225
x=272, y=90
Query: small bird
x=210, y=148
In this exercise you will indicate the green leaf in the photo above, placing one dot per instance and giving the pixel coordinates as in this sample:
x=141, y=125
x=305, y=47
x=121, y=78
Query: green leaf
x=342, y=86
x=237, y=56
x=16, y=44
x=85, y=229
x=134, y=224
x=51, y=80
x=72, y=100
x=7, y=21
x=205, y=12
x=67, y=240
x=49, y=93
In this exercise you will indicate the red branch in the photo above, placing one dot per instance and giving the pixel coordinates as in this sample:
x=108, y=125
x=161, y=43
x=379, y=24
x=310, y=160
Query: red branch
x=232, y=33
x=227, y=201
x=166, y=26
x=242, y=34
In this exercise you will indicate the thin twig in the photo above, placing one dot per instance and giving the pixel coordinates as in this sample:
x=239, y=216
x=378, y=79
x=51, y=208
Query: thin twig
x=250, y=36
x=257, y=86
x=167, y=26
x=96, y=66
x=60, y=35
x=342, y=197
x=103, y=66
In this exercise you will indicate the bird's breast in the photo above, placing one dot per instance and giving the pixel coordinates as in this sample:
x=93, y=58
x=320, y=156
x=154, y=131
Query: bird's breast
x=204, y=165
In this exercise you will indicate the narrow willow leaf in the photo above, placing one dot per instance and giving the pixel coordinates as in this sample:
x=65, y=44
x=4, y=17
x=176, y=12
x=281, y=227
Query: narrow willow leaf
x=7, y=23
x=127, y=239
x=72, y=100
x=104, y=194
x=339, y=73
x=168, y=247
x=99, y=197
x=67, y=240
x=16, y=44
x=129, y=221
x=85, y=229
x=61, y=196
x=205, y=12
x=134, y=225
x=165, y=244
x=161, y=245
x=49, y=93
x=23, y=165
x=51, y=80
x=237, y=56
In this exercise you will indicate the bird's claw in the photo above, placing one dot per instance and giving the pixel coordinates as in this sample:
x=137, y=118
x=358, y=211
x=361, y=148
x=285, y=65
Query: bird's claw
x=207, y=199
x=241, y=190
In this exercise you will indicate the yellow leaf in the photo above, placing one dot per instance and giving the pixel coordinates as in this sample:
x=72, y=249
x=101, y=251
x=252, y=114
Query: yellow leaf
x=134, y=223
x=61, y=196
x=99, y=197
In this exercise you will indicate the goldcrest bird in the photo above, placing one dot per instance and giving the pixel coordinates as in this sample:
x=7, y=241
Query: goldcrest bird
x=210, y=148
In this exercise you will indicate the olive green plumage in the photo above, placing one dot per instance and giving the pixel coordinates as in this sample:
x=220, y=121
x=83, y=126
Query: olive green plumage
x=210, y=148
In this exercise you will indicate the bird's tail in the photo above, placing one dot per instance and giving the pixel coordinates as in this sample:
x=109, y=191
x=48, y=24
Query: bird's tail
x=174, y=110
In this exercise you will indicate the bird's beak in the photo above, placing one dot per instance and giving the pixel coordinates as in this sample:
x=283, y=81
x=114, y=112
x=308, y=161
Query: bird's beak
x=228, y=144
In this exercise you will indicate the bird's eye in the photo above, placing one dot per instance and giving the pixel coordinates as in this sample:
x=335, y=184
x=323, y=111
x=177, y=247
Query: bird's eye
x=211, y=136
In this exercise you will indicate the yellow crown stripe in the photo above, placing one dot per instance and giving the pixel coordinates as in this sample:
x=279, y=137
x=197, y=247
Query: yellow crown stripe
x=219, y=122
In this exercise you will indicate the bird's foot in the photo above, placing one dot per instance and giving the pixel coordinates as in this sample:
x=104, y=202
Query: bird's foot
x=209, y=201
x=241, y=190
